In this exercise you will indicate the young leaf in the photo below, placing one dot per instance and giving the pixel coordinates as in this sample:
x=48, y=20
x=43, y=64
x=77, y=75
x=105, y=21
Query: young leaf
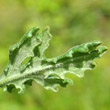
x=27, y=62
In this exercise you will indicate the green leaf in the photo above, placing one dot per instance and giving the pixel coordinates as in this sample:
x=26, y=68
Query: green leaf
x=27, y=62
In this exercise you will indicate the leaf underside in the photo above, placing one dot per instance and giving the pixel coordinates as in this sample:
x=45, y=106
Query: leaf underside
x=27, y=62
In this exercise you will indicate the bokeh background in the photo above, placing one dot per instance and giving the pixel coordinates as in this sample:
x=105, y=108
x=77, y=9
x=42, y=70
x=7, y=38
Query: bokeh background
x=72, y=22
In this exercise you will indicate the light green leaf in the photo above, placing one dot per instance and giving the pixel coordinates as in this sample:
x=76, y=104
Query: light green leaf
x=27, y=62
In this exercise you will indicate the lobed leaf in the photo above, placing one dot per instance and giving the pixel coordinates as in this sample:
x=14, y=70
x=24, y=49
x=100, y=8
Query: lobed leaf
x=27, y=62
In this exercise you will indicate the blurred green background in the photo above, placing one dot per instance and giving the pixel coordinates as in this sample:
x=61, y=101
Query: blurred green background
x=72, y=22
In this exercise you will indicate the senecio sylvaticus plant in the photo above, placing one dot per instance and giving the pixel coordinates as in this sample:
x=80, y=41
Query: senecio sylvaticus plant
x=48, y=72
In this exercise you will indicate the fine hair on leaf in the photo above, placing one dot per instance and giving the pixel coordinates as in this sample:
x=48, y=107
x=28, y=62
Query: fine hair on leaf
x=27, y=62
